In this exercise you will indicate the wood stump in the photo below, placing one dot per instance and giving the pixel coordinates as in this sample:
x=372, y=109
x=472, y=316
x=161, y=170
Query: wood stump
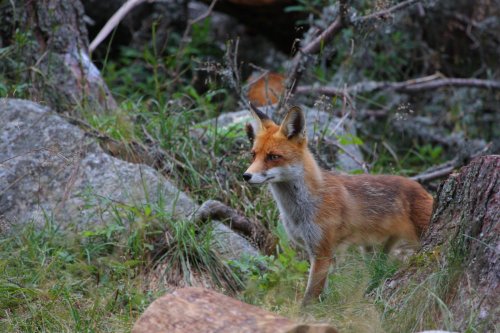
x=456, y=275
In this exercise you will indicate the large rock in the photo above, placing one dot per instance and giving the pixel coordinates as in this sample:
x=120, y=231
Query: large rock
x=52, y=169
x=201, y=310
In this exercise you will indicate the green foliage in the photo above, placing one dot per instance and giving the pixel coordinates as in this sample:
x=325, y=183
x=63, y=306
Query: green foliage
x=93, y=280
x=381, y=268
x=423, y=304
x=13, y=69
x=53, y=281
x=159, y=73
x=277, y=283
x=349, y=139
x=272, y=275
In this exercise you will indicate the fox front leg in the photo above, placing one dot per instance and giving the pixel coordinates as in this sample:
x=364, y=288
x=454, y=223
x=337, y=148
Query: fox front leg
x=318, y=274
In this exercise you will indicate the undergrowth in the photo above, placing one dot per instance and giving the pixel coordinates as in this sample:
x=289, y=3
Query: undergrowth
x=95, y=280
x=98, y=279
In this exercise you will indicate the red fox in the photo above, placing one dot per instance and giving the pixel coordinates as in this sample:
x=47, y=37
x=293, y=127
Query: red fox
x=320, y=209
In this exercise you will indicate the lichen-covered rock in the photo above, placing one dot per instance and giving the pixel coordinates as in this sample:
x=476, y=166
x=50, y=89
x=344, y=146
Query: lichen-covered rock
x=52, y=169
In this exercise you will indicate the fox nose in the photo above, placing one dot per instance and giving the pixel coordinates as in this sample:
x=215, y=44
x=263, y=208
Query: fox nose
x=247, y=176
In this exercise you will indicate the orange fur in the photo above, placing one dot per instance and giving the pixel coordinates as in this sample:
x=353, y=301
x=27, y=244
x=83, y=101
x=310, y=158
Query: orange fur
x=266, y=89
x=358, y=209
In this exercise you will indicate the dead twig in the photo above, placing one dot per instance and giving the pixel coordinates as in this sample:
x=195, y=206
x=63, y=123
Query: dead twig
x=187, y=32
x=233, y=71
x=431, y=175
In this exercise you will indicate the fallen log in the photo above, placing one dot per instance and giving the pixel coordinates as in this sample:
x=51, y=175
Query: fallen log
x=203, y=310
x=254, y=231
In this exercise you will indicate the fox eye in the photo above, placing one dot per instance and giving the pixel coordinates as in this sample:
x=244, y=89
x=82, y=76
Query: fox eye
x=253, y=155
x=273, y=157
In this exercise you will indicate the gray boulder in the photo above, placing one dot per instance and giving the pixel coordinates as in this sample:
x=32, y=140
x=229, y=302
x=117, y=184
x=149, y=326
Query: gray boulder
x=52, y=169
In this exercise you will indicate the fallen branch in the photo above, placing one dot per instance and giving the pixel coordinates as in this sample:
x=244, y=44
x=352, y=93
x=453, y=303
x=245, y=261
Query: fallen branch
x=256, y=232
x=113, y=22
x=446, y=168
x=413, y=85
x=428, y=176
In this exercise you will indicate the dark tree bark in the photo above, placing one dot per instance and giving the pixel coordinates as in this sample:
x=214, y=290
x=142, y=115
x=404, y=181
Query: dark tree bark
x=460, y=258
x=50, y=42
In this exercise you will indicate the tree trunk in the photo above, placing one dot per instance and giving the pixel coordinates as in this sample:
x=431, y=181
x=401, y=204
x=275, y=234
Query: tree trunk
x=203, y=310
x=50, y=45
x=455, y=279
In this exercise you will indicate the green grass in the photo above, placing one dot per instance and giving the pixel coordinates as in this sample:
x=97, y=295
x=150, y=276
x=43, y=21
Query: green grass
x=100, y=279
x=344, y=304
x=56, y=282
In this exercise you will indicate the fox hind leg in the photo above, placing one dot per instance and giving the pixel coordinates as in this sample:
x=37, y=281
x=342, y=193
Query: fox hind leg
x=389, y=244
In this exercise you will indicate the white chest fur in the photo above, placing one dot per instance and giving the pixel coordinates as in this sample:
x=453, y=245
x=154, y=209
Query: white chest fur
x=297, y=210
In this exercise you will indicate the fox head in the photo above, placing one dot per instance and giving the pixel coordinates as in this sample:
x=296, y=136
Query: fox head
x=277, y=150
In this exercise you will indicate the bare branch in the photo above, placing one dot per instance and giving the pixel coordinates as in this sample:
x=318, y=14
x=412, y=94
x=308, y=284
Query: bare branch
x=413, y=85
x=385, y=12
x=233, y=72
x=200, y=18
x=113, y=22
x=446, y=168
x=313, y=47
x=431, y=175
x=456, y=82
x=185, y=35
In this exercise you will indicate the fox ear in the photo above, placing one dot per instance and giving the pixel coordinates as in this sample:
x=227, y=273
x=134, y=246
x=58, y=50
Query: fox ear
x=259, y=116
x=294, y=124
x=250, y=132
x=258, y=125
